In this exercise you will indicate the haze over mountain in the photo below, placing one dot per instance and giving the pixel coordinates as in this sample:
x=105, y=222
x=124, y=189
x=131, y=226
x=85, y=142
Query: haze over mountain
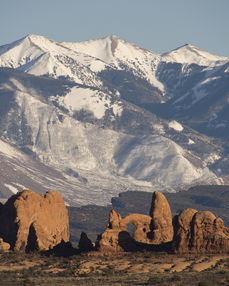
x=95, y=118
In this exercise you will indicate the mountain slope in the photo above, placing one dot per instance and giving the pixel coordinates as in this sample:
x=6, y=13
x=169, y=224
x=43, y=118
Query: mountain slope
x=121, y=55
x=40, y=56
x=111, y=116
x=101, y=160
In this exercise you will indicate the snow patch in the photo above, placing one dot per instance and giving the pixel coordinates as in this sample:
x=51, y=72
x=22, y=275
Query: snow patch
x=190, y=141
x=8, y=150
x=212, y=158
x=159, y=128
x=11, y=188
x=158, y=160
x=97, y=66
x=88, y=99
x=80, y=98
x=175, y=125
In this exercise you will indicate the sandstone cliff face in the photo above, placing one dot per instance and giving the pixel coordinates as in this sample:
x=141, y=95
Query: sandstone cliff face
x=32, y=221
x=161, y=224
x=200, y=232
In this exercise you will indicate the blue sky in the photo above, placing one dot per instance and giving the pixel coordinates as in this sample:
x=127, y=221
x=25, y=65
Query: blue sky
x=157, y=25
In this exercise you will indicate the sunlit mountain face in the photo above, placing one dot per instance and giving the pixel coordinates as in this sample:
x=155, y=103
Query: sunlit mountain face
x=96, y=118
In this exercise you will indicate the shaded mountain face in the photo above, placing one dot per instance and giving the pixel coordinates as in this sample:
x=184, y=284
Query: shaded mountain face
x=109, y=116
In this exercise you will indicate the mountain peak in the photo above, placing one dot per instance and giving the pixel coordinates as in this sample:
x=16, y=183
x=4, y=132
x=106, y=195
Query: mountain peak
x=37, y=38
x=114, y=37
x=190, y=54
x=33, y=36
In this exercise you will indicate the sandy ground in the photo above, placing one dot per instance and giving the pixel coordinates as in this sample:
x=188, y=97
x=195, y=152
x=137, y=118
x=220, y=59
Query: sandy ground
x=166, y=263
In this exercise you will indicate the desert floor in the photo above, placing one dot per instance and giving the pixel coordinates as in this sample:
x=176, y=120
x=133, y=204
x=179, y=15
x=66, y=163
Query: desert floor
x=140, y=268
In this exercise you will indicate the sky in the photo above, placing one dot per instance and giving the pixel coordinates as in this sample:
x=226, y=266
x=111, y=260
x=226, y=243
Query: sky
x=157, y=25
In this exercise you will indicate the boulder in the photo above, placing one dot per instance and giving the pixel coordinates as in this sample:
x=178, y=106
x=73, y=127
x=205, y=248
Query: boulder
x=161, y=223
x=30, y=221
x=4, y=246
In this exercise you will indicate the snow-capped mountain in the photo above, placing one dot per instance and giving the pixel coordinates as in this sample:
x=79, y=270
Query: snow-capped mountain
x=121, y=55
x=198, y=96
x=41, y=56
x=104, y=116
x=189, y=54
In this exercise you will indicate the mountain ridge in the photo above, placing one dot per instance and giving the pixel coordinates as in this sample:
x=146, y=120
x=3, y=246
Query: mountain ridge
x=102, y=124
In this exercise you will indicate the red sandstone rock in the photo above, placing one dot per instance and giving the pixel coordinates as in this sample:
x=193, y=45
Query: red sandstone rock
x=115, y=238
x=200, y=232
x=142, y=226
x=182, y=230
x=155, y=229
x=4, y=246
x=208, y=233
x=32, y=221
x=161, y=225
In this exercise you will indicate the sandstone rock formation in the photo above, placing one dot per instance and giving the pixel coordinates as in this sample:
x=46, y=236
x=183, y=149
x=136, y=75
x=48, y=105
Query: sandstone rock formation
x=190, y=231
x=114, y=220
x=182, y=230
x=4, y=246
x=154, y=229
x=115, y=238
x=32, y=221
x=161, y=224
x=142, y=226
x=200, y=232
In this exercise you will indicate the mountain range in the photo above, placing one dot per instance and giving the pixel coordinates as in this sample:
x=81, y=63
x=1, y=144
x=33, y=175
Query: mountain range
x=96, y=118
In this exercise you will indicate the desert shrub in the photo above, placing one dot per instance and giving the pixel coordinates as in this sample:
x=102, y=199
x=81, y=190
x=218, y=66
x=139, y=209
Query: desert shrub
x=154, y=280
x=175, y=277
